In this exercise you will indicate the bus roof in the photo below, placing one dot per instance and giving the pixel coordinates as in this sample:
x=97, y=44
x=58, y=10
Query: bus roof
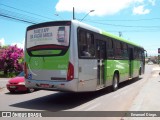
x=104, y=33
x=89, y=27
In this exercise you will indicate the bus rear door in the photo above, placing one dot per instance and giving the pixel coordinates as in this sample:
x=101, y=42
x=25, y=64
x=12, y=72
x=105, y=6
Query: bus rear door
x=130, y=62
x=101, y=52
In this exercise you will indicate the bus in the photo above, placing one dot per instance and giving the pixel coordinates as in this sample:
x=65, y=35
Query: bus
x=76, y=57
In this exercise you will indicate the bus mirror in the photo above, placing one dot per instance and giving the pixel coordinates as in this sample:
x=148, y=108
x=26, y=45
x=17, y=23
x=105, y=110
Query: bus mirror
x=146, y=55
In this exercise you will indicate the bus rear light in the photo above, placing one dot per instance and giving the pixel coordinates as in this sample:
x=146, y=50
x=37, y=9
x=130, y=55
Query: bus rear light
x=25, y=70
x=70, y=74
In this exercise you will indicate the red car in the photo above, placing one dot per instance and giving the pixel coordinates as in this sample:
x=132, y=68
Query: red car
x=16, y=84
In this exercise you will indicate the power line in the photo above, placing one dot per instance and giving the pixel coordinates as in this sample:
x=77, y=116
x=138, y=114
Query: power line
x=116, y=25
x=129, y=20
x=26, y=12
x=23, y=16
x=33, y=8
x=126, y=31
x=17, y=19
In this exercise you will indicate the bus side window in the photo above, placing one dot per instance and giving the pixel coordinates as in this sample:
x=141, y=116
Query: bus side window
x=118, y=50
x=90, y=44
x=125, y=51
x=141, y=55
x=110, y=51
x=82, y=39
x=86, y=44
x=81, y=42
x=136, y=53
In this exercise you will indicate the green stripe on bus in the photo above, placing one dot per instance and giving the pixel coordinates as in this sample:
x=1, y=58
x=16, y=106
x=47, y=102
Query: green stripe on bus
x=119, y=38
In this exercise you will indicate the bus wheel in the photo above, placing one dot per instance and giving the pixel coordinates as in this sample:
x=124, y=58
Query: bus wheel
x=115, y=82
x=140, y=71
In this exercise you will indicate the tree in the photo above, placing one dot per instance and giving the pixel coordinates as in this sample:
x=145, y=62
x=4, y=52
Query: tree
x=11, y=59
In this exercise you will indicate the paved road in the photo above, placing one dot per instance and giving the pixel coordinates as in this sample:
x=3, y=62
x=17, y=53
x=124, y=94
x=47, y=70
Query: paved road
x=132, y=95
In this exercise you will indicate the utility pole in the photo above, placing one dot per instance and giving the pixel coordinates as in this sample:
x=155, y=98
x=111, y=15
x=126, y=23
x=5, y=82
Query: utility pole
x=73, y=14
x=159, y=56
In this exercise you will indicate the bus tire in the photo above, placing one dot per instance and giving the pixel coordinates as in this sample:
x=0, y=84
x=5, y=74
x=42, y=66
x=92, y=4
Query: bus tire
x=115, y=82
x=140, y=71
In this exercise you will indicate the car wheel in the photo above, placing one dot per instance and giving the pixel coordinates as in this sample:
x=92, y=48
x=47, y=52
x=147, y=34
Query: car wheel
x=30, y=90
x=12, y=91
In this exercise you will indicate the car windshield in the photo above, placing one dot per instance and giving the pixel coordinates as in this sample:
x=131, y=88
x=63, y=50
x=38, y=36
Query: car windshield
x=21, y=74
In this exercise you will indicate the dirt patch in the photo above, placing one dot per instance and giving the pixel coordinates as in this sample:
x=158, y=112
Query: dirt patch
x=1, y=88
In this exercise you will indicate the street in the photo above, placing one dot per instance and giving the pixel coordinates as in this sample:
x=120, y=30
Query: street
x=132, y=95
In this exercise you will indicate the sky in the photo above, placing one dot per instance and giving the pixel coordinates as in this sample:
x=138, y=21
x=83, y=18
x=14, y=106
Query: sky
x=137, y=20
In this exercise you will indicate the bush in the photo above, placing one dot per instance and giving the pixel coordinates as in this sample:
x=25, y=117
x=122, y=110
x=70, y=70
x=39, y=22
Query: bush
x=11, y=60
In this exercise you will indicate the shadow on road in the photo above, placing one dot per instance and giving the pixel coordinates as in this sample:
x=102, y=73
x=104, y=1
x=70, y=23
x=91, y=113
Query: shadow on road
x=128, y=82
x=17, y=93
x=60, y=101
x=65, y=101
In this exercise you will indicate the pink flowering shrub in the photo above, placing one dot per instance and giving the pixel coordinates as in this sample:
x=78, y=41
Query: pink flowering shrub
x=11, y=59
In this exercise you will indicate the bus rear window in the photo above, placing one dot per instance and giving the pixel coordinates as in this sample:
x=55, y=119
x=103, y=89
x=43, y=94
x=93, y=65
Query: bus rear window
x=48, y=40
x=57, y=35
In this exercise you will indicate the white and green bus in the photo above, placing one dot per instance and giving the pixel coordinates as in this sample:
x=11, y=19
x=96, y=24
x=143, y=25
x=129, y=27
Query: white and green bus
x=76, y=57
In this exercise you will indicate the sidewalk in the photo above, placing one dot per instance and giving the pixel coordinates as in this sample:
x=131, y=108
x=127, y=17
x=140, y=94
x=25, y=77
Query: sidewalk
x=3, y=82
x=149, y=97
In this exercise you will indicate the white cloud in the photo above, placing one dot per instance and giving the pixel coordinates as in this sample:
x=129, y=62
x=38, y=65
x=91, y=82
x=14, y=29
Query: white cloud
x=101, y=7
x=140, y=10
x=19, y=45
x=153, y=2
x=2, y=42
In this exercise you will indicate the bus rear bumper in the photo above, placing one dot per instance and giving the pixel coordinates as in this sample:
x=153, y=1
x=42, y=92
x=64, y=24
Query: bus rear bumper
x=52, y=85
